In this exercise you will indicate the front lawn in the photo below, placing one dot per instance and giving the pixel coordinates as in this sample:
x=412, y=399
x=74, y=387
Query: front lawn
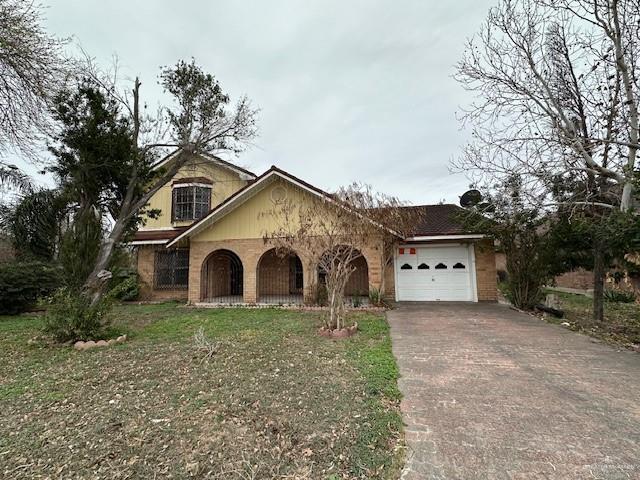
x=277, y=401
x=621, y=325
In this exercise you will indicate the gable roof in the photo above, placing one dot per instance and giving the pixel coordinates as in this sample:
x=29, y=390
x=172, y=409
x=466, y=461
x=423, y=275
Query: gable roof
x=247, y=192
x=243, y=173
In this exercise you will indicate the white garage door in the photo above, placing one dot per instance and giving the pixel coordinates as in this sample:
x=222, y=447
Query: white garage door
x=434, y=273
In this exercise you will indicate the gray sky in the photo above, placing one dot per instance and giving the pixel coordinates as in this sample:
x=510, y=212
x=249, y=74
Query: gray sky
x=349, y=90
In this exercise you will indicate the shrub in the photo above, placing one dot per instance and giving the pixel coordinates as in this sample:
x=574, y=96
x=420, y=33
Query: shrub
x=127, y=289
x=319, y=294
x=23, y=282
x=71, y=317
x=619, y=296
x=375, y=296
x=503, y=277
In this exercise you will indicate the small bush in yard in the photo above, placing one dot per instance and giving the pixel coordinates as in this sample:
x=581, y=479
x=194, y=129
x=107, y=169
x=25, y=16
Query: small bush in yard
x=619, y=296
x=127, y=289
x=71, y=317
x=22, y=283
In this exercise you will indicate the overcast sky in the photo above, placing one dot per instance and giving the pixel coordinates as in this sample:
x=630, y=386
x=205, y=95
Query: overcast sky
x=348, y=90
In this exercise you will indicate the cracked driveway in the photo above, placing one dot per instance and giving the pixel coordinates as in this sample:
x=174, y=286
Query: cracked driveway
x=490, y=393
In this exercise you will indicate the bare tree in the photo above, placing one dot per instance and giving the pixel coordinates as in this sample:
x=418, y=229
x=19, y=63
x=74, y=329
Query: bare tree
x=32, y=70
x=556, y=83
x=557, y=91
x=198, y=122
x=333, y=231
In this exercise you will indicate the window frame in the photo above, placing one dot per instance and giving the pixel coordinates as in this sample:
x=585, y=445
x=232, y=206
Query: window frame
x=193, y=202
x=171, y=269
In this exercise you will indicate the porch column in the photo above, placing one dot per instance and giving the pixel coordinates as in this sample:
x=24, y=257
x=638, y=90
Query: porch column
x=310, y=279
x=197, y=253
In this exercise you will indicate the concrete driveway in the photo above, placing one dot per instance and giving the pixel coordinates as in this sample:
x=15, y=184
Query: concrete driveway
x=490, y=393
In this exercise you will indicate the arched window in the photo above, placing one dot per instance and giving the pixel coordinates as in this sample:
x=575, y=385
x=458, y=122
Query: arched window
x=406, y=266
x=459, y=266
x=423, y=266
x=441, y=266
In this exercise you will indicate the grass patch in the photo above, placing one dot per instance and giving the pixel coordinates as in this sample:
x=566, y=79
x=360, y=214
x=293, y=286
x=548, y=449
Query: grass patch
x=277, y=401
x=621, y=325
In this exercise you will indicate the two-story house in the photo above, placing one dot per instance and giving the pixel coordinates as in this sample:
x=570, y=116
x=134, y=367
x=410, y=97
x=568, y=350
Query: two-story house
x=207, y=245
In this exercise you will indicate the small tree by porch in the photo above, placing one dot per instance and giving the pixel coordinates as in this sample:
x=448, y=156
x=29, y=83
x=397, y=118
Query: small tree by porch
x=334, y=230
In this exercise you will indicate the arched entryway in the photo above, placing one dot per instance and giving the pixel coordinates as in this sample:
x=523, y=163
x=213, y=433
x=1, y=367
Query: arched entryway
x=222, y=278
x=356, y=291
x=280, y=278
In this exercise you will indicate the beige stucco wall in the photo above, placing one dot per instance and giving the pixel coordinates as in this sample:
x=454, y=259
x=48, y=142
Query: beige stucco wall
x=257, y=216
x=225, y=183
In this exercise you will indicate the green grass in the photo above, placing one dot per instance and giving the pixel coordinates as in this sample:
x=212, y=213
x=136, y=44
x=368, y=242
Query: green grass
x=621, y=325
x=277, y=401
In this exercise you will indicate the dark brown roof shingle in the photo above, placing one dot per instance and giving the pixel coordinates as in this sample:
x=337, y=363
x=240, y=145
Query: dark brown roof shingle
x=438, y=220
x=147, y=235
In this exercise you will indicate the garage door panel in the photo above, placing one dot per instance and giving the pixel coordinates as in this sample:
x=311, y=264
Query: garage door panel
x=429, y=274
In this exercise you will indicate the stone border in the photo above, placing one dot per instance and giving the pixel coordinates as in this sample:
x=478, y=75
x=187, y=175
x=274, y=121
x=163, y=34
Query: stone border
x=80, y=345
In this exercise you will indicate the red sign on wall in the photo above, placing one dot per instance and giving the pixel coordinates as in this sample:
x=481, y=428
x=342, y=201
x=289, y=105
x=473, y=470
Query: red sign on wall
x=401, y=251
x=412, y=251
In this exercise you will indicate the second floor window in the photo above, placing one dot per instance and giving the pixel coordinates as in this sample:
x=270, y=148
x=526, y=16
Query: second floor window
x=191, y=202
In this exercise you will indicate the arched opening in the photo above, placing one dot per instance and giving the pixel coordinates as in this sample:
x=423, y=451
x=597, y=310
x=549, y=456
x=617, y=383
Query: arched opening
x=280, y=278
x=222, y=278
x=356, y=291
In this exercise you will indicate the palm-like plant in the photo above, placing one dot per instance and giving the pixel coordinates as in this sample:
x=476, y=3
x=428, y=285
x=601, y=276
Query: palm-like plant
x=12, y=177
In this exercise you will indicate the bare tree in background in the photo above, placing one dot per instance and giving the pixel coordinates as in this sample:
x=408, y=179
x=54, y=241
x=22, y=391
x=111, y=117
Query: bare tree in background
x=557, y=92
x=32, y=71
x=333, y=231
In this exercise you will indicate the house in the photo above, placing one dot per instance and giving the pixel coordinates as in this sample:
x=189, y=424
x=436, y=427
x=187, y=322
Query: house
x=207, y=245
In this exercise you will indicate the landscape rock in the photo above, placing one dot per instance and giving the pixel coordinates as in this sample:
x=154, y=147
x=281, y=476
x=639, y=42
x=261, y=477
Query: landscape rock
x=102, y=343
x=79, y=345
x=89, y=344
x=565, y=324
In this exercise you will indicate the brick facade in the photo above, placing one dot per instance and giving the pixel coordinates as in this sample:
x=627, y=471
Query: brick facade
x=250, y=251
x=146, y=262
x=486, y=275
x=580, y=279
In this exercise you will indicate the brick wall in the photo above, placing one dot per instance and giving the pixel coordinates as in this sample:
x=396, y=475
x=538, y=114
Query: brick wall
x=579, y=278
x=145, y=262
x=273, y=275
x=486, y=271
x=250, y=251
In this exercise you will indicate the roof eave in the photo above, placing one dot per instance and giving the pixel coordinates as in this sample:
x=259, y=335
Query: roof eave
x=426, y=238
x=242, y=173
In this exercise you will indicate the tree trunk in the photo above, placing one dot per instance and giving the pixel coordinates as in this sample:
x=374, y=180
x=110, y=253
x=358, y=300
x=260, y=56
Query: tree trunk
x=97, y=281
x=598, y=283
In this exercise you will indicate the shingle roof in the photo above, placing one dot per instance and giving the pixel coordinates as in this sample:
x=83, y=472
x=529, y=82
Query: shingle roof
x=149, y=235
x=438, y=220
